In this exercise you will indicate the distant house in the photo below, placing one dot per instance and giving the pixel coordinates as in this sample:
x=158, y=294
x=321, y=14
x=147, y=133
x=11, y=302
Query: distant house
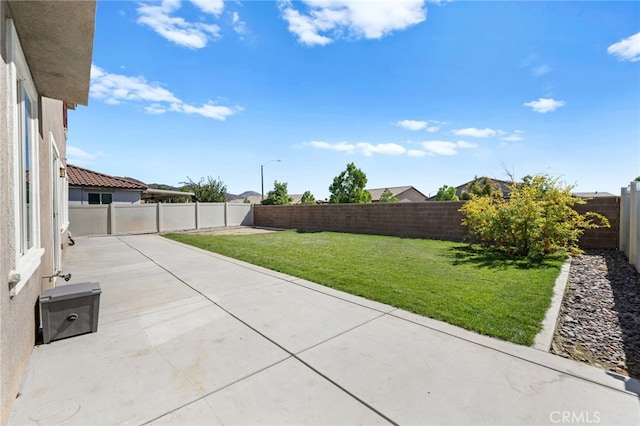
x=90, y=187
x=464, y=190
x=404, y=194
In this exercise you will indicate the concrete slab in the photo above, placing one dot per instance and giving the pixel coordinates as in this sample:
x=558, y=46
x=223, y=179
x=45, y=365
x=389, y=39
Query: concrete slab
x=295, y=317
x=188, y=337
x=289, y=394
x=415, y=375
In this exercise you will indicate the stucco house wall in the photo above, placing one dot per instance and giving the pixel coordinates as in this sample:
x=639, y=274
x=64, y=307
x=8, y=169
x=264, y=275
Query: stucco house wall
x=56, y=41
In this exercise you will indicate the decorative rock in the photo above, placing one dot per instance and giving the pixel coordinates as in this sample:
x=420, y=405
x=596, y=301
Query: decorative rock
x=599, y=321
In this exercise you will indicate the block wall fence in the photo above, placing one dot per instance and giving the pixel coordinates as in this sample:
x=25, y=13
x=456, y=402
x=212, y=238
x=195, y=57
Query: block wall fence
x=436, y=219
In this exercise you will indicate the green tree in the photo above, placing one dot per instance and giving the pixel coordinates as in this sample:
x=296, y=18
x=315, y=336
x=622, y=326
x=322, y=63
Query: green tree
x=209, y=191
x=246, y=201
x=446, y=193
x=278, y=196
x=536, y=220
x=387, y=197
x=348, y=186
x=637, y=179
x=307, y=198
x=481, y=187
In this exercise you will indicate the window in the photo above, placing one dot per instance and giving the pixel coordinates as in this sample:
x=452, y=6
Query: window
x=24, y=101
x=100, y=198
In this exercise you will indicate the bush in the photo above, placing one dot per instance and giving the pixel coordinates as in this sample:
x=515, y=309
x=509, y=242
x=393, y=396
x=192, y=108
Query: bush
x=537, y=220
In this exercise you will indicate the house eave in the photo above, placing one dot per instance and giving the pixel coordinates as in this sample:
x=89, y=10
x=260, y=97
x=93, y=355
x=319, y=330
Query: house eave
x=57, y=41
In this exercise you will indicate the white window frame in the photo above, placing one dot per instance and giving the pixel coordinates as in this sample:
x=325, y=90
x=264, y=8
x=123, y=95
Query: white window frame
x=27, y=261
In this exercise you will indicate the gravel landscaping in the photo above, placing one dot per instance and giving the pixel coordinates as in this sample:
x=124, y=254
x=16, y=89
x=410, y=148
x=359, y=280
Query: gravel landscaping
x=599, y=320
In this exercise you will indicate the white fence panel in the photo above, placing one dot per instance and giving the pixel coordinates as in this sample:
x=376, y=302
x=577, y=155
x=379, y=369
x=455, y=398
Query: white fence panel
x=176, y=217
x=134, y=219
x=630, y=223
x=239, y=214
x=119, y=219
x=89, y=220
x=211, y=215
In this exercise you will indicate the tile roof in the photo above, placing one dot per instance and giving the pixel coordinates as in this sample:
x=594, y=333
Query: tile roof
x=85, y=177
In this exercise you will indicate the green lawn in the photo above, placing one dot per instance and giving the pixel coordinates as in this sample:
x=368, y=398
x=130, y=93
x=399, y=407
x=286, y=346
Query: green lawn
x=452, y=282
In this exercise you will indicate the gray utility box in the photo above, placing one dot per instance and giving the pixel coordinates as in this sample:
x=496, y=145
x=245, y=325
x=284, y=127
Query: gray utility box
x=70, y=310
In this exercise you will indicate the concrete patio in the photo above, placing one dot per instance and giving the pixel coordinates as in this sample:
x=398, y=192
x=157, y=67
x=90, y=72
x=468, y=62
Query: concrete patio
x=191, y=337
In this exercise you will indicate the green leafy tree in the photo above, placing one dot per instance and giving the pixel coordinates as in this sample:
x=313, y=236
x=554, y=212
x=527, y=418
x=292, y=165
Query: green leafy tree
x=246, y=201
x=207, y=191
x=446, y=193
x=307, y=198
x=637, y=179
x=278, y=196
x=387, y=197
x=483, y=186
x=538, y=219
x=348, y=187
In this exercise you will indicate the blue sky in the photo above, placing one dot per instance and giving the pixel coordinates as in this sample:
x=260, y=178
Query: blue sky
x=414, y=93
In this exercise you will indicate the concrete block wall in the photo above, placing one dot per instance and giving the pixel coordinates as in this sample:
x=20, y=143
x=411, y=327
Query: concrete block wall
x=603, y=238
x=436, y=220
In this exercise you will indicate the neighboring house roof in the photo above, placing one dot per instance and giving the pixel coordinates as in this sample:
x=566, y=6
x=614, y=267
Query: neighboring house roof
x=504, y=186
x=593, y=194
x=165, y=194
x=395, y=191
x=79, y=176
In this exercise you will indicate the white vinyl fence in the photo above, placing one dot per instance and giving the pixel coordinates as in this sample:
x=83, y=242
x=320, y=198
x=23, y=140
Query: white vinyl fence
x=122, y=219
x=630, y=223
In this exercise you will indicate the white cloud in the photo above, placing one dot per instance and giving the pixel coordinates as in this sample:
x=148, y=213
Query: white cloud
x=446, y=147
x=210, y=110
x=441, y=147
x=383, y=148
x=368, y=149
x=341, y=146
x=540, y=70
x=475, y=133
x=514, y=137
x=238, y=25
x=116, y=89
x=627, y=49
x=81, y=157
x=194, y=35
x=214, y=7
x=430, y=126
x=544, y=105
x=322, y=21
x=365, y=148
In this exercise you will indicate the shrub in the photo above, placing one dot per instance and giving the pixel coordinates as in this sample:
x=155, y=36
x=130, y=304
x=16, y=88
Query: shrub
x=537, y=220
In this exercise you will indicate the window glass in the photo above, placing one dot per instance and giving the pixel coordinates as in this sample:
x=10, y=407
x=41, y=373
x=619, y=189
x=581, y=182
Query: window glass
x=106, y=198
x=94, y=198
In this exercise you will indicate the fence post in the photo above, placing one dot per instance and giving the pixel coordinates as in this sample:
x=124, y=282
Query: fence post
x=197, y=207
x=112, y=219
x=633, y=223
x=226, y=206
x=159, y=216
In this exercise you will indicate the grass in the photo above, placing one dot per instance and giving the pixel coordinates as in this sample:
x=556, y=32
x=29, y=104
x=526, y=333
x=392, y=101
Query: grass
x=453, y=282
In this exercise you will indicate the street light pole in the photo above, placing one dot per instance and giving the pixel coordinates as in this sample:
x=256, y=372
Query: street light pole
x=262, y=178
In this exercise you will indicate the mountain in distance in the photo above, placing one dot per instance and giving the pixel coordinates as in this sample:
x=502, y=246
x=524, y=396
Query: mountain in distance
x=229, y=196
